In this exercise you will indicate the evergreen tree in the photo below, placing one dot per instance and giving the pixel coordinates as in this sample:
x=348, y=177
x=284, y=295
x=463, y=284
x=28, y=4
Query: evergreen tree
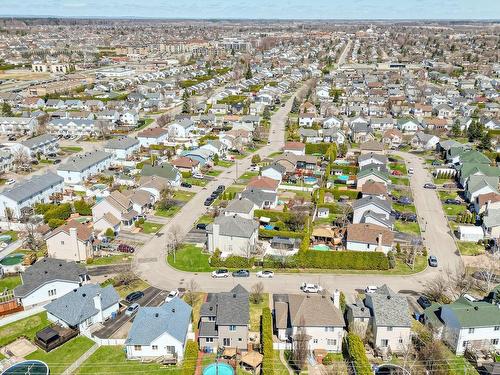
x=7, y=110
x=248, y=74
x=185, y=106
x=267, y=113
x=485, y=143
x=455, y=129
x=295, y=106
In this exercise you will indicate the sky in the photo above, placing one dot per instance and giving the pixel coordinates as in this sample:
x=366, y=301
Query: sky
x=257, y=9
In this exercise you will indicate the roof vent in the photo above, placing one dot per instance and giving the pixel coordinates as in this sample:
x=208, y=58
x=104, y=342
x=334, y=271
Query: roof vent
x=388, y=297
x=84, y=295
x=211, y=308
x=362, y=309
x=173, y=310
x=157, y=315
x=74, y=290
x=46, y=272
x=476, y=308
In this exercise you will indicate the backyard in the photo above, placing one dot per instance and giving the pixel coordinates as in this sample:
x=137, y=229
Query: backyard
x=27, y=327
x=470, y=248
x=407, y=227
x=9, y=282
x=256, y=312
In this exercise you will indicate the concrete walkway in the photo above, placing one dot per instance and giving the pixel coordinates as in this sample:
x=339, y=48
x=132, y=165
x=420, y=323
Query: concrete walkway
x=71, y=369
x=285, y=363
x=20, y=315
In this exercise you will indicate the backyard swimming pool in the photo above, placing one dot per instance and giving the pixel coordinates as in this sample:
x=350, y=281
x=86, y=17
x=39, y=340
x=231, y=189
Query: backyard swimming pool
x=343, y=177
x=321, y=247
x=218, y=369
x=310, y=180
x=12, y=260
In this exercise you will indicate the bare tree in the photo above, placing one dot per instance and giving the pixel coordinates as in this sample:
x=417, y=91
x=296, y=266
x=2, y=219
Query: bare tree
x=9, y=215
x=460, y=281
x=300, y=348
x=256, y=293
x=191, y=295
x=488, y=270
x=437, y=288
x=33, y=239
x=43, y=121
x=21, y=158
x=175, y=234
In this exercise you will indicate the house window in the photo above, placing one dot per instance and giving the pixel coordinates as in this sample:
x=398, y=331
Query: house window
x=331, y=342
x=170, y=349
x=137, y=348
x=240, y=339
x=62, y=242
x=471, y=330
x=209, y=339
x=211, y=318
x=154, y=347
x=52, y=292
x=400, y=340
x=464, y=344
x=329, y=329
x=389, y=329
x=315, y=341
x=226, y=342
x=232, y=328
x=497, y=328
x=384, y=343
x=494, y=341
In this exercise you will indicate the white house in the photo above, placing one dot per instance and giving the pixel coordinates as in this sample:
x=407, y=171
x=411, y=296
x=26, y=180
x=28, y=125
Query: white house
x=152, y=136
x=161, y=331
x=122, y=148
x=83, y=166
x=43, y=144
x=72, y=241
x=232, y=235
x=369, y=237
x=49, y=279
x=71, y=126
x=408, y=125
x=181, y=129
x=83, y=307
x=18, y=125
x=23, y=195
x=372, y=204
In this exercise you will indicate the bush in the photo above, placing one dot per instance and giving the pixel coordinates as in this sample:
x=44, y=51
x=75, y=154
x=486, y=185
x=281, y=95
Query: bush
x=357, y=260
x=42, y=208
x=190, y=358
x=61, y=212
x=391, y=259
x=232, y=261
x=329, y=359
x=267, y=342
x=110, y=233
x=54, y=223
x=269, y=233
x=355, y=352
x=83, y=208
x=317, y=148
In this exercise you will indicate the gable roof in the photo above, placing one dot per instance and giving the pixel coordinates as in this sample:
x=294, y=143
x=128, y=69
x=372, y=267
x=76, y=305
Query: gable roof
x=75, y=307
x=372, y=171
x=229, y=308
x=121, y=143
x=83, y=232
x=81, y=162
x=371, y=155
x=366, y=201
x=373, y=188
x=150, y=323
x=388, y=308
x=474, y=314
x=32, y=187
x=234, y=226
x=369, y=234
x=241, y=205
x=165, y=170
x=263, y=183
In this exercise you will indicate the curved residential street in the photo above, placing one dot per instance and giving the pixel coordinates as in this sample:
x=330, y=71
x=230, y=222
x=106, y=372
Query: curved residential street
x=150, y=263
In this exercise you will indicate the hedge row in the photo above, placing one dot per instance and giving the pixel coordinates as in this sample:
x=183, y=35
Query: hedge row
x=273, y=215
x=346, y=169
x=269, y=233
x=355, y=351
x=267, y=342
x=232, y=261
x=357, y=260
x=317, y=148
x=190, y=358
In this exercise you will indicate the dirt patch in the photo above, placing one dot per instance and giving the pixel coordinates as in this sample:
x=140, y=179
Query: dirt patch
x=19, y=348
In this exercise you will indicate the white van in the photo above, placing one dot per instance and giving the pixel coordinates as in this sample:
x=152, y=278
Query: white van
x=410, y=171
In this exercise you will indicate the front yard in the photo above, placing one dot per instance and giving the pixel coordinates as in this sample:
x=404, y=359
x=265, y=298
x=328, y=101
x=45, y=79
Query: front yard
x=150, y=228
x=399, y=181
x=470, y=248
x=190, y=258
x=453, y=209
x=112, y=259
x=404, y=207
x=407, y=227
x=62, y=357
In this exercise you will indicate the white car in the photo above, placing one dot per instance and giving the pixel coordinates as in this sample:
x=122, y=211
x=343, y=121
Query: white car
x=132, y=309
x=371, y=289
x=217, y=274
x=265, y=274
x=311, y=288
x=410, y=171
x=173, y=294
x=199, y=176
x=10, y=181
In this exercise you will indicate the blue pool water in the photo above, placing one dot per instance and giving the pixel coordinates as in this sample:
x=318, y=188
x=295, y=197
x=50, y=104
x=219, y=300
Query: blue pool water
x=310, y=180
x=218, y=369
x=269, y=227
x=321, y=248
x=343, y=177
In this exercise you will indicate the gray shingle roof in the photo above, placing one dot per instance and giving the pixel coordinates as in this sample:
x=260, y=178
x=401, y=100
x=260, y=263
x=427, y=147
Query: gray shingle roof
x=32, y=187
x=122, y=143
x=371, y=155
x=382, y=203
x=234, y=226
x=230, y=308
x=38, y=141
x=47, y=270
x=241, y=206
x=173, y=317
x=78, y=305
x=258, y=196
x=82, y=162
x=388, y=308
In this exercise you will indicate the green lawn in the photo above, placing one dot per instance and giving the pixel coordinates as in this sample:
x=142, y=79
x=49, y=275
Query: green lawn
x=214, y=173
x=113, y=360
x=205, y=219
x=72, y=149
x=224, y=163
x=454, y=209
x=248, y=175
x=398, y=167
x=168, y=213
x=150, y=228
x=443, y=195
x=195, y=181
x=441, y=181
x=279, y=367
x=404, y=207
x=46, y=161
x=62, y=357
x=183, y=195
x=256, y=312
x=404, y=269
x=407, y=227
x=190, y=258
x=138, y=284
x=9, y=282
x=25, y=327
x=113, y=259
x=470, y=248
x=399, y=181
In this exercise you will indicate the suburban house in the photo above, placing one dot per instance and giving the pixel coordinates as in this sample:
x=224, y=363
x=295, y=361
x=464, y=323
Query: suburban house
x=372, y=205
x=478, y=185
x=371, y=158
x=122, y=148
x=181, y=129
x=232, y=235
x=152, y=136
x=297, y=148
x=160, y=331
x=66, y=126
x=185, y=164
x=466, y=170
x=49, y=279
x=491, y=223
x=466, y=324
x=117, y=205
x=83, y=166
x=486, y=201
x=40, y=145
x=224, y=320
x=240, y=207
x=265, y=184
x=262, y=199
x=83, y=307
x=408, y=125
x=392, y=138
x=374, y=189
x=72, y=241
x=306, y=119
x=21, y=197
x=18, y=125
x=371, y=174
x=369, y=237
x=165, y=170
x=423, y=141
x=390, y=319
x=317, y=316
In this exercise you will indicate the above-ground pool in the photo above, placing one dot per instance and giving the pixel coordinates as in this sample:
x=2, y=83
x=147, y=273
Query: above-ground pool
x=321, y=247
x=12, y=260
x=28, y=367
x=310, y=180
x=218, y=368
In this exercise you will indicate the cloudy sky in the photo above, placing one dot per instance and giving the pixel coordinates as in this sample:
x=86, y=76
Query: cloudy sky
x=258, y=9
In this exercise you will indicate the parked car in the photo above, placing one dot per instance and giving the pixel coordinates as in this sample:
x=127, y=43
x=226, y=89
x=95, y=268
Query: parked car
x=424, y=302
x=208, y=201
x=221, y=188
x=371, y=289
x=173, y=294
x=396, y=173
x=404, y=200
x=201, y=226
x=311, y=288
x=450, y=185
x=10, y=181
x=124, y=248
x=198, y=176
x=433, y=262
x=410, y=171
x=241, y=273
x=186, y=185
x=452, y=201
x=265, y=274
x=57, y=161
x=220, y=273
x=134, y=296
x=429, y=186
x=132, y=309
x=408, y=216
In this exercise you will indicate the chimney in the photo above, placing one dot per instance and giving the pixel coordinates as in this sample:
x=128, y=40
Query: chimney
x=336, y=299
x=98, y=306
x=72, y=233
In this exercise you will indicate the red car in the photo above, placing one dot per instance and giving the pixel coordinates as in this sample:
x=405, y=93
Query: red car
x=124, y=248
x=397, y=173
